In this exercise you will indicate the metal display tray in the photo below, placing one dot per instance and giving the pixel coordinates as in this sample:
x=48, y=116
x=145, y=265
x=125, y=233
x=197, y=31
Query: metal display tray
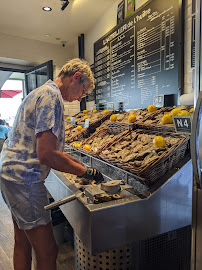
x=167, y=206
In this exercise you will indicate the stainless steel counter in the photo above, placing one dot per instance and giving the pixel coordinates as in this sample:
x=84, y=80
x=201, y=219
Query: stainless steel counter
x=118, y=223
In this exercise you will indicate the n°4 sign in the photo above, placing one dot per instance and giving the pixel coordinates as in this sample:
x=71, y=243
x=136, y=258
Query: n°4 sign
x=182, y=124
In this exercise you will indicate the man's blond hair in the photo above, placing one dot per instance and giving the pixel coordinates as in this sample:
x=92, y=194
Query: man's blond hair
x=78, y=65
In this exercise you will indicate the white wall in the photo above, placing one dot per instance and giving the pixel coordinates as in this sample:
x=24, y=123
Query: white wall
x=104, y=25
x=39, y=52
x=34, y=51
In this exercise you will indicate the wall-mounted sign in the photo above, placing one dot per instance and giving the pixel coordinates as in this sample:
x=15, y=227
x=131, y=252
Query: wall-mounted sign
x=140, y=57
x=91, y=95
x=121, y=12
x=130, y=7
x=193, y=29
x=193, y=48
x=182, y=124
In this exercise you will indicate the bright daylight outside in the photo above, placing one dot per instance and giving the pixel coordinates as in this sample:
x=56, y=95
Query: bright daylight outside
x=10, y=101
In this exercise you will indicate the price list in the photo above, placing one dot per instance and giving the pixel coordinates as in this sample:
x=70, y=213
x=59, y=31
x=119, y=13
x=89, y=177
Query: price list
x=139, y=59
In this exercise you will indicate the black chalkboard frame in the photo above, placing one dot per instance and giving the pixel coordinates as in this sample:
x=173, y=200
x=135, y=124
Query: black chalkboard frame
x=180, y=22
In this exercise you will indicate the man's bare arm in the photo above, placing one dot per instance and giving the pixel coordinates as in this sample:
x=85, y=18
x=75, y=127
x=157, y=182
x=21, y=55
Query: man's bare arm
x=49, y=156
x=74, y=159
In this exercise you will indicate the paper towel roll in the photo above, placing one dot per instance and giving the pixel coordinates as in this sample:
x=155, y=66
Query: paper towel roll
x=187, y=99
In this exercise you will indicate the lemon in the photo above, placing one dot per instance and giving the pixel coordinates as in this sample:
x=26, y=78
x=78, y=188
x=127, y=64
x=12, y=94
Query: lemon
x=87, y=147
x=79, y=128
x=68, y=118
x=175, y=111
x=113, y=117
x=167, y=119
x=151, y=108
x=76, y=120
x=159, y=141
x=94, y=111
x=132, y=118
x=85, y=111
x=184, y=113
x=106, y=111
x=85, y=117
x=78, y=145
x=191, y=110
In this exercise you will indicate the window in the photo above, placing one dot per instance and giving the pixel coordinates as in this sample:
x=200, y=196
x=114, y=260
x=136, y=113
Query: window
x=11, y=98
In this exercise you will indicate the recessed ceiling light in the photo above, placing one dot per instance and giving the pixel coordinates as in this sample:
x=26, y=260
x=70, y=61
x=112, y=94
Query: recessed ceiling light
x=48, y=35
x=47, y=8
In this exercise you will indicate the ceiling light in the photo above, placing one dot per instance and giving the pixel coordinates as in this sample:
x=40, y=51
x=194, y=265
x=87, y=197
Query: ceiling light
x=47, y=8
x=48, y=35
x=65, y=4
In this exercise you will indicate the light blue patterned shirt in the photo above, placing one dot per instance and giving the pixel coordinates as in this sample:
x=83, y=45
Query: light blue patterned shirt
x=41, y=110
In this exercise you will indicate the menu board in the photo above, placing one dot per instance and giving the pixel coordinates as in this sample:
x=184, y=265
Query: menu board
x=140, y=57
x=91, y=95
x=193, y=29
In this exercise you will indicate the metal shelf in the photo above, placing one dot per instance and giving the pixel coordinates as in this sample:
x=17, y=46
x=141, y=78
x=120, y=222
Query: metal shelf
x=109, y=171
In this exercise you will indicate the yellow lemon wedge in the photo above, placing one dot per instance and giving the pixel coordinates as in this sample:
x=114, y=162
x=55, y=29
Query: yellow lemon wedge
x=78, y=145
x=184, y=113
x=159, y=141
x=113, y=117
x=87, y=147
x=94, y=111
x=151, y=108
x=85, y=117
x=85, y=111
x=106, y=111
x=76, y=120
x=191, y=110
x=167, y=119
x=68, y=118
x=175, y=111
x=132, y=118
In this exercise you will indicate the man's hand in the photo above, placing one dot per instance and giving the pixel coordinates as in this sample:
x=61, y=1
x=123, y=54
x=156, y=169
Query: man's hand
x=93, y=174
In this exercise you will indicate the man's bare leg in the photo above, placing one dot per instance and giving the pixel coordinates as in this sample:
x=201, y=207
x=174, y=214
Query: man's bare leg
x=22, y=256
x=45, y=247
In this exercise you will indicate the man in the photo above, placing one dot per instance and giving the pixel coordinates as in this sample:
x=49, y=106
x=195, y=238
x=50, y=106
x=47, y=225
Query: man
x=34, y=145
x=3, y=133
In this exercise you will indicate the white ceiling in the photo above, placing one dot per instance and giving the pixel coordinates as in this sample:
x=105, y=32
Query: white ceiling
x=25, y=18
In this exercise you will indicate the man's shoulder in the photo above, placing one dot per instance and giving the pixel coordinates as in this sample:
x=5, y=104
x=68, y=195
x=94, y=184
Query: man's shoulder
x=43, y=90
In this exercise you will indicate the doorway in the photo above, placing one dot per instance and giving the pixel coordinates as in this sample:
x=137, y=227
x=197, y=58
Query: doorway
x=16, y=84
x=12, y=92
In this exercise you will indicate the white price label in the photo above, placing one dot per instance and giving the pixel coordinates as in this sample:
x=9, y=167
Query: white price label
x=86, y=125
x=72, y=120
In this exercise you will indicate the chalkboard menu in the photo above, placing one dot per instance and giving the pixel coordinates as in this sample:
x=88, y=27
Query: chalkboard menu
x=140, y=57
x=91, y=96
x=193, y=29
